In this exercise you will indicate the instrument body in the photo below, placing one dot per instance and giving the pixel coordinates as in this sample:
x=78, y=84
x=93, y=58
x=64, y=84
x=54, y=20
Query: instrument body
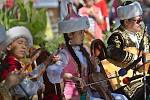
x=112, y=67
x=102, y=86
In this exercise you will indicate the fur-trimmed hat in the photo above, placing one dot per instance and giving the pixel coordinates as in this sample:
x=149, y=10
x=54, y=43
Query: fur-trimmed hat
x=16, y=32
x=129, y=11
x=73, y=22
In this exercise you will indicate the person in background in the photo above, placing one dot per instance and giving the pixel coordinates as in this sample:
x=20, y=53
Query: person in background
x=105, y=13
x=95, y=19
x=126, y=43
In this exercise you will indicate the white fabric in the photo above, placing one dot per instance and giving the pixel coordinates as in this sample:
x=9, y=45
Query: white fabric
x=134, y=38
x=31, y=87
x=132, y=10
x=18, y=31
x=118, y=96
x=74, y=22
x=54, y=71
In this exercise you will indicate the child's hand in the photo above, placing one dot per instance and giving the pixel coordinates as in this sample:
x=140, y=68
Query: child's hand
x=52, y=59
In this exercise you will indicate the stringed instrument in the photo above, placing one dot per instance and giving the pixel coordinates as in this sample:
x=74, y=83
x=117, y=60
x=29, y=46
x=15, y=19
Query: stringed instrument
x=112, y=67
x=99, y=83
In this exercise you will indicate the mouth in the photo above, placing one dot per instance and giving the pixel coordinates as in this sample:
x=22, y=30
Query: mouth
x=22, y=52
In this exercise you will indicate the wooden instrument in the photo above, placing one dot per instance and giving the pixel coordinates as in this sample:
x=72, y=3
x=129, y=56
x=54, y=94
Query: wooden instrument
x=112, y=67
x=102, y=86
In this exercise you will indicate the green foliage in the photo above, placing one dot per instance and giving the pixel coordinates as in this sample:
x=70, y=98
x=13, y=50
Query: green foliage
x=26, y=15
x=53, y=44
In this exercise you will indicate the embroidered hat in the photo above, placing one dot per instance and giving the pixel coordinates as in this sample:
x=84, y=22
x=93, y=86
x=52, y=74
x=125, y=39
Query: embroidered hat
x=128, y=11
x=2, y=36
x=72, y=22
x=16, y=32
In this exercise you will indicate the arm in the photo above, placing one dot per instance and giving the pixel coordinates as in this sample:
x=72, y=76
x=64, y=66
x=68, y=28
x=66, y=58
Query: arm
x=54, y=71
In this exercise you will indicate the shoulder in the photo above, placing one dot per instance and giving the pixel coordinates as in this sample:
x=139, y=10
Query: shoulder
x=116, y=37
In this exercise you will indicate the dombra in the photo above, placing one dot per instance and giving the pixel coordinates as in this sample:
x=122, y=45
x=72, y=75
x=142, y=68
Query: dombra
x=112, y=67
x=99, y=83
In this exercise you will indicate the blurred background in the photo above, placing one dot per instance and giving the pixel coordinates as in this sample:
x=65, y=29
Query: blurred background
x=42, y=16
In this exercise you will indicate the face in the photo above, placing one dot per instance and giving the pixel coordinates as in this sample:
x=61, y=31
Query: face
x=97, y=52
x=76, y=37
x=89, y=3
x=133, y=24
x=18, y=48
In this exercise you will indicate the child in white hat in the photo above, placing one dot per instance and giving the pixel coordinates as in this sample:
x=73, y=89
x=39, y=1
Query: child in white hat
x=17, y=43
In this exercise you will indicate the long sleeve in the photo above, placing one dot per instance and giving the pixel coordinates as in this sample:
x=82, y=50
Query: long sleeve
x=11, y=64
x=54, y=71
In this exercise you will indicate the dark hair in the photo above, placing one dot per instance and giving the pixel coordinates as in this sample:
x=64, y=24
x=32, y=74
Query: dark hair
x=97, y=43
x=67, y=39
x=126, y=3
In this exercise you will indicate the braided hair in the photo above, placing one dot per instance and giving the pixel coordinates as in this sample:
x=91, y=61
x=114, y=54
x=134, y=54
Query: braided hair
x=67, y=39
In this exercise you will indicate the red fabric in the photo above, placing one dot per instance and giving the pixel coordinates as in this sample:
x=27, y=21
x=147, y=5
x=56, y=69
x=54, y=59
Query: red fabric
x=115, y=5
x=12, y=65
x=51, y=97
x=104, y=9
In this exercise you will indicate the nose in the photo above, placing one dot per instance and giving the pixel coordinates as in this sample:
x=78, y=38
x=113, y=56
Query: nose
x=24, y=46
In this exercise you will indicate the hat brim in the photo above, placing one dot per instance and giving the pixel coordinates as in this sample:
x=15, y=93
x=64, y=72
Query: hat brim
x=72, y=25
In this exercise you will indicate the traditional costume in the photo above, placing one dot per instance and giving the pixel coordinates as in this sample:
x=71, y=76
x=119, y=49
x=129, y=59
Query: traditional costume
x=26, y=88
x=124, y=45
x=69, y=64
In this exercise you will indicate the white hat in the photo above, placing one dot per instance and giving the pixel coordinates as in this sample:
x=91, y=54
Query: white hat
x=16, y=32
x=73, y=22
x=2, y=36
x=128, y=11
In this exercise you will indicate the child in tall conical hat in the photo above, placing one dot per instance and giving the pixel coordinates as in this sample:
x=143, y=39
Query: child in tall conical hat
x=72, y=65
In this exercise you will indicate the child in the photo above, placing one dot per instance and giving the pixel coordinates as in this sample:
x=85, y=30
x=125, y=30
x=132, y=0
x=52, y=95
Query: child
x=75, y=64
x=18, y=42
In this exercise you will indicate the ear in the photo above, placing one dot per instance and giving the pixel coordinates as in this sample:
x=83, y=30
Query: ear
x=9, y=47
x=70, y=35
x=126, y=22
